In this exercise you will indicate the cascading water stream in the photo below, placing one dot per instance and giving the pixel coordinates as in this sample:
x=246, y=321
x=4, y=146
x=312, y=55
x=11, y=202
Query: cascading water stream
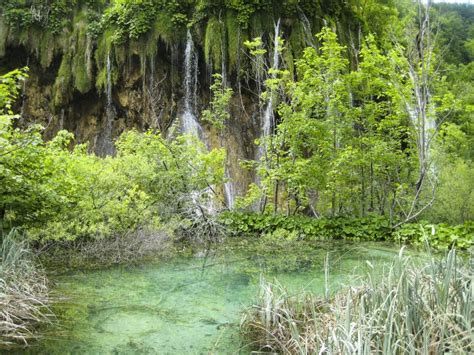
x=109, y=82
x=61, y=120
x=190, y=124
x=106, y=144
x=268, y=117
x=309, y=36
x=229, y=190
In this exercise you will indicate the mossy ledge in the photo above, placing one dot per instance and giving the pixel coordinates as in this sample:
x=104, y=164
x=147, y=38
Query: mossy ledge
x=66, y=44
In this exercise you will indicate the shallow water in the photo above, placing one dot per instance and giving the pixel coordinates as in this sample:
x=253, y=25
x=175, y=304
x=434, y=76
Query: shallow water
x=188, y=305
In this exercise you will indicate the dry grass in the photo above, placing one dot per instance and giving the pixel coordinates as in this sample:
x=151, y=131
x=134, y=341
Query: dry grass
x=23, y=293
x=412, y=308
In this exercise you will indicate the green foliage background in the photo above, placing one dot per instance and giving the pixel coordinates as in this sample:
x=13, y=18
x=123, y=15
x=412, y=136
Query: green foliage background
x=342, y=136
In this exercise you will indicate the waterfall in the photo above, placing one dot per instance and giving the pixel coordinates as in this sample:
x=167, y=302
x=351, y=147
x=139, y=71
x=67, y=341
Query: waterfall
x=223, y=62
x=268, y=118
x=190, y=125
x=307, y=28
x=189, y=120
x=110, y=111
x=109, y=82
x=229, y=190
x=61, y=120
x=105, y=142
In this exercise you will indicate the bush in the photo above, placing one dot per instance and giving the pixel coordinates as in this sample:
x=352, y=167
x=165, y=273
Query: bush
x=372, y=228
x=307, y=228
x=58, y=194
x=439, y=236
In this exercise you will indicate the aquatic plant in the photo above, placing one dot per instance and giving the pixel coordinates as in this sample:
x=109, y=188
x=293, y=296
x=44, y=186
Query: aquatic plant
x=373, y=227
x=24, y=294
x=413, y=307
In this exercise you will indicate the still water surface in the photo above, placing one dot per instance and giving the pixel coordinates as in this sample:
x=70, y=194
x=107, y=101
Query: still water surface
x=188, y=305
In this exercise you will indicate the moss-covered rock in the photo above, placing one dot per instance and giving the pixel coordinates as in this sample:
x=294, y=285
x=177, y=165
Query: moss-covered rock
x=67, y=44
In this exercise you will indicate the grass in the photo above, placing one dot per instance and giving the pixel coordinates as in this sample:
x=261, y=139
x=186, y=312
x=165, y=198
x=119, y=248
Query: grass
x=23, y=293
x=409, y=307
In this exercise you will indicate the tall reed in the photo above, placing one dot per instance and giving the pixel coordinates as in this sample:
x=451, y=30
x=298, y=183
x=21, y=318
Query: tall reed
x=23, y=292
x=409, y=307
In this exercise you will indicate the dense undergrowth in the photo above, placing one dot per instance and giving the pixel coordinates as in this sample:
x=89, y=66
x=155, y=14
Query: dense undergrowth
x=372, y=228
x=414, y=307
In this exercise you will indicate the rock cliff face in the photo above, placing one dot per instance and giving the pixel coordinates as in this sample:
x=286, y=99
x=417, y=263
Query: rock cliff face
x=97, y=84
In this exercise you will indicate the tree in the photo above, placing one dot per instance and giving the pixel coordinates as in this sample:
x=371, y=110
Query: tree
x=425, y=107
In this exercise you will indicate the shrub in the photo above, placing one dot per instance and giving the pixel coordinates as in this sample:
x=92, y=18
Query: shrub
x=439, y=236
x=307, y=228
x=371, y=228
x=57, y=194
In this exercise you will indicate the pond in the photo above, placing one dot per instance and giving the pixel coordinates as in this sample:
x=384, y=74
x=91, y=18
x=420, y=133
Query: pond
x=192, y=304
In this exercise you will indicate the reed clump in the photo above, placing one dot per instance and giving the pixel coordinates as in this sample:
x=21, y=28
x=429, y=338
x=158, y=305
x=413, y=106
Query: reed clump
x=413, y=307
x=24, y=295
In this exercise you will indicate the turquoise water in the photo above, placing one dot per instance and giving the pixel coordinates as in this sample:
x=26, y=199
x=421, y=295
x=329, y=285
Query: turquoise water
x=187, y=305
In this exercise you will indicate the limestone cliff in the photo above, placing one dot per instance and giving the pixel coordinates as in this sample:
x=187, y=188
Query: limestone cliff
x=99, y=68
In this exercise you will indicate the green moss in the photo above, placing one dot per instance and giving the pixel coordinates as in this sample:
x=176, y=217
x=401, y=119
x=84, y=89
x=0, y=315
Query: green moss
x=80, y=29
x=62, y=85
x=137, y=48
x=3, y=36
x=261, y=23
x=80, y=44
x=147, y=46
x=101, y=79
x=82, y=67
x=46, y=50
x=297, y=40
x=151, y=45
x=163, y=29
x=255, y=29
x=21, y=36
x=233, y=40
x=123, y=52
x=104, y=48
x=213, y=44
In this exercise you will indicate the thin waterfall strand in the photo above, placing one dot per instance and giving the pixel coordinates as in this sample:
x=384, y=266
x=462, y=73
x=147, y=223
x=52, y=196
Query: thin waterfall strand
x=106, y=144
x=268, y=118
x=190, y=123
